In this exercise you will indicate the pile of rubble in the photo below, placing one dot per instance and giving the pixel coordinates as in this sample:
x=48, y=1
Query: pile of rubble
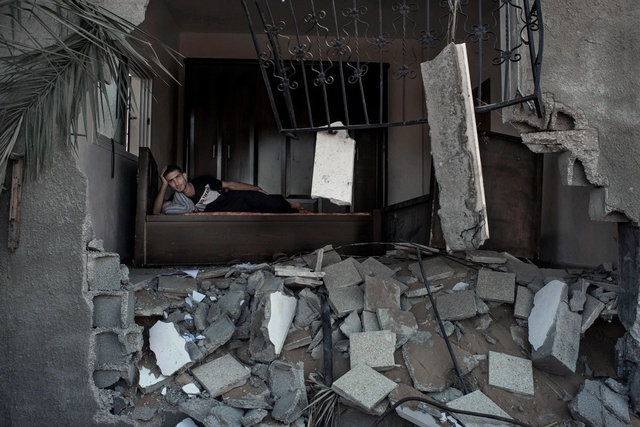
x=234, y=345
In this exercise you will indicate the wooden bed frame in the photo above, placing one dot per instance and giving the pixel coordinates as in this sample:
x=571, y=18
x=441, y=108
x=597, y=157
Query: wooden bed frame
x=210, y=238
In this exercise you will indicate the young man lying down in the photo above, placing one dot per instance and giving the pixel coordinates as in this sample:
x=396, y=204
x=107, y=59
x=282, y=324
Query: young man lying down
x=207, y=194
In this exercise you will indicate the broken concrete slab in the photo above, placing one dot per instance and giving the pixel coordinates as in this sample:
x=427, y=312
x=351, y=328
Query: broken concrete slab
x=333, y=166
x=525, y=272
x=477, y=402
x=351, y=324
x=291, y=271
x=374, y=349
x=434, y=268
x=279, y=311
x=454, y=147
x=302, y=282
x=329, y=256
x=380, y=293
x=218, y=333
x=345, y=300
x=592, y=309
x=363, y=386
x=342, y=275
x=177, y=285
x=254, y=394
x=511, y=373
x=231, y=303
x=546, y=303
x=373, y=267
x=297, y=339
x=429, y=363
x=524, y=303
x=597, y=405
x=496, y=286
x=486, y=257
x=559, y=352
x=224, y=416
x=418, y=289
x=400, y=322
x=457, y=305
x=168, y=346
x=253, y=417
x=221, y=375
x=290, y=406
x=417, y=417
x=404, y=391
x=307, y=310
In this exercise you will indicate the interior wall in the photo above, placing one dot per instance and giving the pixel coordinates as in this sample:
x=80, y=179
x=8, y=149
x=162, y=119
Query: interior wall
x=568, y=236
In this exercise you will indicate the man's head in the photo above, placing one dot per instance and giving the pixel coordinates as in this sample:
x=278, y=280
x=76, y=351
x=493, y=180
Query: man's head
x=176, y=179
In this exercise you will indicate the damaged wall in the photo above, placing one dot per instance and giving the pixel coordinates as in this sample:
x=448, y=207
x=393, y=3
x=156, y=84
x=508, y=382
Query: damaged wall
x=590, y=85
x=44, y=357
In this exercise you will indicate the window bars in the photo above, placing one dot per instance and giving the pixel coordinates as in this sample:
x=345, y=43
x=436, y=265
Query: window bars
x=325, y=60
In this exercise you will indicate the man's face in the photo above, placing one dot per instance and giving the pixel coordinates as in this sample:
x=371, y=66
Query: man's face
x=177, y=181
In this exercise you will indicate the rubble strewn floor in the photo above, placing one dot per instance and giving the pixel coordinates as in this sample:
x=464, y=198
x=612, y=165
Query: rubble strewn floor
x=228, y=371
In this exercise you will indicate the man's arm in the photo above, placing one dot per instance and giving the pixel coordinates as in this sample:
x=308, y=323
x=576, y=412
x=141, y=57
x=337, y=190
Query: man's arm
x=232, y=185
x=158, y=203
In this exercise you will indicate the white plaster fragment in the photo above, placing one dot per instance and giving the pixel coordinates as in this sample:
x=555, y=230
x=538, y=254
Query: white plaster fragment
x=187, y=422
x=191, y=389
x=283, y=308
x=197, y=296
x=333, y=166
x=146, y=378
x=168, y=346
x=543, y=313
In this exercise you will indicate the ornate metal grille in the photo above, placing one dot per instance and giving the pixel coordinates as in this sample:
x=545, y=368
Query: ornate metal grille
x=312, y=50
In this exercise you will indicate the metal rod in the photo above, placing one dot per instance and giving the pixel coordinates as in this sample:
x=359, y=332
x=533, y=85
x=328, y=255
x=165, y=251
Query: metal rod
x=327, y=345
x=340, y=65
x=300, y=53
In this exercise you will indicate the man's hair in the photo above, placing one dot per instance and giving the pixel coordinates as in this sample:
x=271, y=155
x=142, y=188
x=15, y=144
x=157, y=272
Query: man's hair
x=171, y=168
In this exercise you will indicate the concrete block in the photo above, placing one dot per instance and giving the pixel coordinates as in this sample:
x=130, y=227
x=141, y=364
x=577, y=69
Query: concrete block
x=218, y=333
x=254, y=394
x=231, y=303
x=345, y=300
x=104, y=378
x=524, y=271
x=341, y=275
x=374, y=349
x=103, y=271
x=454, y=147
x=546, y=303
x=590, y=312
x=177, y=285
x=478, y=402
x=380, y=293
x=308, y=308
x=351, y=324
x=486, y=257
x=524, y=303
x=373, y=267
x=285, y=377
x=169, y=347
x=363, y=386
x=434, y=268
x=457, y=305
x=290, y=406
x=597, y=405
x=511, y=373
x=496, y=286
x=429, y=363
x=106, y=311
x=370, y=321
x=398, y=321
x=333, y=166
x=221, y=375
x=559, y=352
x=109, y=351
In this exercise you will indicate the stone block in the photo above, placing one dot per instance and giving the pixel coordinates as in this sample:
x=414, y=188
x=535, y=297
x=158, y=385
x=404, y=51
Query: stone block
x=496, y=286
x=221, y=375
x=333, y=166
x=342, y=275
x=511, y=373
x=429, y=363
x=477, y=402
x=106, y=311
x=457, y=305
x=454, y=147
x=546, y=303
x=524, y=303
x=345, y=300
x=486, y=257
x=351, y=324
x=370, y=321
x=590, y=312
x=398, y=321
x=109, y=351
x=363, y=386
x=177, y=285
x=374, y=349
x=380, y=293
x=103, y=271
x=434, y=268
x=559, y=353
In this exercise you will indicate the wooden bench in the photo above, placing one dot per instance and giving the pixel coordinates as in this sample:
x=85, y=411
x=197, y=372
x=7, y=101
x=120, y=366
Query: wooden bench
x=218, y=237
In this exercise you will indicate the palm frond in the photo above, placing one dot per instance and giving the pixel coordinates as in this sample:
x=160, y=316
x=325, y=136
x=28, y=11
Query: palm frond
x=46, y=90
x=324, y=407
